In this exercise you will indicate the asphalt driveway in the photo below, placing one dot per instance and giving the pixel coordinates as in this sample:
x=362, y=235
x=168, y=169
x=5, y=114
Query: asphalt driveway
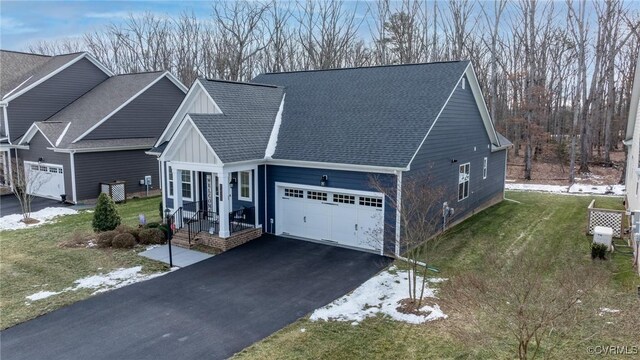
x=210, y=310
x=10, y=205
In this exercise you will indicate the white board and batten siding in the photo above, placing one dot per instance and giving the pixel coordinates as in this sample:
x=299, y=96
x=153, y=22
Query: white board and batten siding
x=193, y=149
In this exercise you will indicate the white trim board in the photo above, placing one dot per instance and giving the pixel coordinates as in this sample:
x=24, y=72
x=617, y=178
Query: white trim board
x=188, y=100
x=31, y=132
x=96, y=125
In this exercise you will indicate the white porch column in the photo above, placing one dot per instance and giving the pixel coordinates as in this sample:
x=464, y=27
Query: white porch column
x=224, y=205
x=256, y=198
x=163, y=189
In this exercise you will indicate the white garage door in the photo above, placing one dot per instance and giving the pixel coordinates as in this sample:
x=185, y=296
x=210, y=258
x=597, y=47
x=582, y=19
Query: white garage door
x=46, y=180
x=334, y=215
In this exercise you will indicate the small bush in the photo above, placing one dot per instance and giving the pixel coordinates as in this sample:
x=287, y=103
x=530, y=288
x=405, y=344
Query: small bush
x=105, y=239
x=125, y=229
x=599, y=251
x=106, y=216
x=123, y=241
x=151, y=237
x=152, y=225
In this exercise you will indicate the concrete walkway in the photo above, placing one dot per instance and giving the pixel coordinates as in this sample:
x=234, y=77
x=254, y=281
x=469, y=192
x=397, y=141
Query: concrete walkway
x=181, y=257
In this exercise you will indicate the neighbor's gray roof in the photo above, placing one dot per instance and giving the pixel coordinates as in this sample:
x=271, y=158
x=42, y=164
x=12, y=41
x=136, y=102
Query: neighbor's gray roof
x=110, y=143
x=243, y=129
x=19, y=70
x=99, y=102
x=503, y=140
x=367, y=116
x=52, y=129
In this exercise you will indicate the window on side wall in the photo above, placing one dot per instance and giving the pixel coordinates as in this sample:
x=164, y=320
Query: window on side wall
x=170, y=179
x=244, y=185
x=484, y=168
x=185, y=177
x=463, y=181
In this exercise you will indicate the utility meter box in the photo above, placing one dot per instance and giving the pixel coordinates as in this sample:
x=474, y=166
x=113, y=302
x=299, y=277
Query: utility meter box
x=603, y=235
x=147, y=180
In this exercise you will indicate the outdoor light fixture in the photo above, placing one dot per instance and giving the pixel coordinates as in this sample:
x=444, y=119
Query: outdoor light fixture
x=324, y=180
x=232, y=182
x=40, y=160
x=453, y=161
x=167, y=212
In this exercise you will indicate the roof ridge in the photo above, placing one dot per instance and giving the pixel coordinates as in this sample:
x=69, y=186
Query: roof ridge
x=243, y=83
x=142, y=73
x=24, y=53
x=366, y=67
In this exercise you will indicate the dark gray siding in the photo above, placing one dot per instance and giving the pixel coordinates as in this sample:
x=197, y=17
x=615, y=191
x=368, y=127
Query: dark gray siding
x=460, y=135
x=52, y=95
x=352, y=180
x=146, y=116
x=130, y=166
x=38, y=149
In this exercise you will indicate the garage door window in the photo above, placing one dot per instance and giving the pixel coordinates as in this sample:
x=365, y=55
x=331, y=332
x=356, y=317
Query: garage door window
x=294, y=193
x=370, y=201
x=317, y=195
x=344, y=199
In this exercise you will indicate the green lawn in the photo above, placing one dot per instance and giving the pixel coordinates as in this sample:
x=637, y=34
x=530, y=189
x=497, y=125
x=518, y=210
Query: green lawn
x=32, y=260
x=542, y=225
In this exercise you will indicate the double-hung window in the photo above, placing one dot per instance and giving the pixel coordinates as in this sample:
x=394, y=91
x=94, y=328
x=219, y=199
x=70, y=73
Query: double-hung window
x=185, y=178
x=244, y=185
x=463, y=181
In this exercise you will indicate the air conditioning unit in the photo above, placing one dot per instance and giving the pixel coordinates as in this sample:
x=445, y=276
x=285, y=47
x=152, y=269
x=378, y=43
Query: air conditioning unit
x=603, y=235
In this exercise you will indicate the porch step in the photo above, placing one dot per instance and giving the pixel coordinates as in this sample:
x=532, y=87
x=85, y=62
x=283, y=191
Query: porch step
x=181, y=239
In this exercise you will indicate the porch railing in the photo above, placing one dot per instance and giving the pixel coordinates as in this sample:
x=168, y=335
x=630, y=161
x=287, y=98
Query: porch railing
x=207, y=221
x=242, y=219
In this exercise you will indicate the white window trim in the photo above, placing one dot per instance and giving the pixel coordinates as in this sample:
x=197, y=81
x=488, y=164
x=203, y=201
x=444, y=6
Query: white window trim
x=190, y=182
x=170, y=182
x=240, y=197
x=468, y=181
x=485, y=164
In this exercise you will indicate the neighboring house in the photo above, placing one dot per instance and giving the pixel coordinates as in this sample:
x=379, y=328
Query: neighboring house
x=299, y=149
x=73, y=124
x=632, y=183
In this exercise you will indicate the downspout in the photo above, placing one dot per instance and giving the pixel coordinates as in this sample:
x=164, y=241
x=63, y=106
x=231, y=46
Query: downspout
x=6, y=121
x=73, y=176
x=398, y=210
x=265, y=202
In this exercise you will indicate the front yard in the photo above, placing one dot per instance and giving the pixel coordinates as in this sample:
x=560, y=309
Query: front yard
x=537, y=227
x=32, y=261
x=541, y=227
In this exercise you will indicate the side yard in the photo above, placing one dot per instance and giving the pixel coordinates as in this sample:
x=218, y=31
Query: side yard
x=35, y=262
x=545, y=230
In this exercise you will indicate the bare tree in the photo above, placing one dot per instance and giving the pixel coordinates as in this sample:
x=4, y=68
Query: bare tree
x=26, y=182
x=421, y=223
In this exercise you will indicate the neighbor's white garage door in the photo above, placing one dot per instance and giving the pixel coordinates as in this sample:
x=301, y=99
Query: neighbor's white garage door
x=340, y=216
x=46, y=180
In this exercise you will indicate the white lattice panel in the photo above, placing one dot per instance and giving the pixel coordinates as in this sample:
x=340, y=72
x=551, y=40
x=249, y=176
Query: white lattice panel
x=117, y=192
x=605, y=218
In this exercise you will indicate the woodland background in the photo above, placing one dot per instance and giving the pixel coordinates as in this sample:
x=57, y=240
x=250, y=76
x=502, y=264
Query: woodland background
x=557, y=76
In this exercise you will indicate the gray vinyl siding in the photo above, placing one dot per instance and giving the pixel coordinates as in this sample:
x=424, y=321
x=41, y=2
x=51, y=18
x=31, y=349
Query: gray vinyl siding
x=145, y=116
x=38, y=149
x=459, y=135
x=352, y=180
x=129, y=165
x=51, y=96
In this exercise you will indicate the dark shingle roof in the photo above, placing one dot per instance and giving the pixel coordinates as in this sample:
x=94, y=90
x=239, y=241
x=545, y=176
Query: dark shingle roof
x=110, y=143
x=504, y=142
x=367, y=116
x=19, y=70
x=99, y=102
x=243, y=129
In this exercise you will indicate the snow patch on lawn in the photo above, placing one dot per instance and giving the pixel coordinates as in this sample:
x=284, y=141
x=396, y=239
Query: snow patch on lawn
x=47, y=215
x=605, y=310
x=574, y=189
x=41, y=295
x=103, y=282
x=379, y=295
